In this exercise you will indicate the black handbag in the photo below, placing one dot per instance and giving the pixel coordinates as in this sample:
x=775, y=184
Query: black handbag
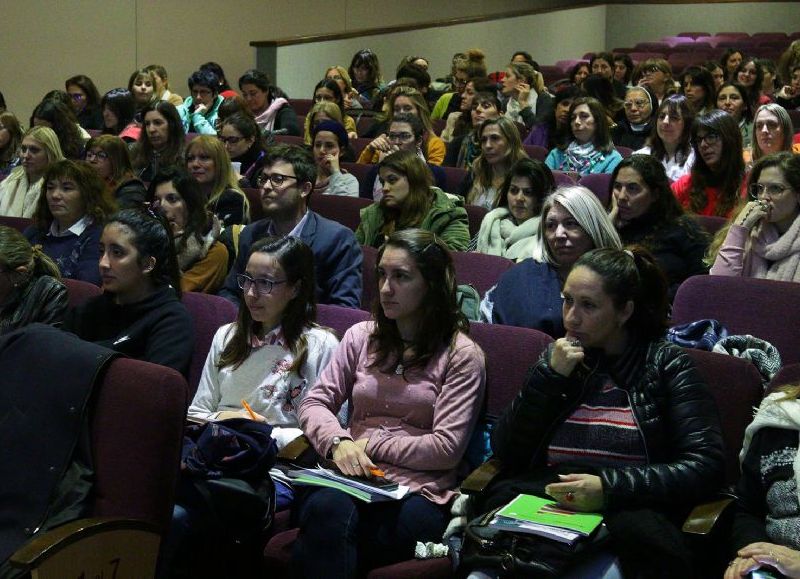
x=521, y=554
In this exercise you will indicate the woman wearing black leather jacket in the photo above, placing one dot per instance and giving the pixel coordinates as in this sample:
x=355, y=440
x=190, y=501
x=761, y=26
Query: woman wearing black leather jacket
x=613, y=419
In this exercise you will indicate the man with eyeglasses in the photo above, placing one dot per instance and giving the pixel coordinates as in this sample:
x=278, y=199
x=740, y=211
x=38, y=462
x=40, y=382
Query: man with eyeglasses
x=199, y=111
x=406, y=133
x=286, y=182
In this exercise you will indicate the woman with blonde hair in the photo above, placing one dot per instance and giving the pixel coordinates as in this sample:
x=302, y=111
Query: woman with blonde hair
x=501, y=147
x=208, y=162
x=342, y=78
x=524, y=89
x=10, y=140
x=30, y=284
x=108, y=156
x=411, y=201
x=772, y=133
x=19, y=192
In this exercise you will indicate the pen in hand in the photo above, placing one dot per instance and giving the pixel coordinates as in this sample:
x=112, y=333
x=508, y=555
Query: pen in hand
x=249, y=410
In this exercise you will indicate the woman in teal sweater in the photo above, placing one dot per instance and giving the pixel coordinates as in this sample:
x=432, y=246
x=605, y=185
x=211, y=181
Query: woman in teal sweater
x=410, y=200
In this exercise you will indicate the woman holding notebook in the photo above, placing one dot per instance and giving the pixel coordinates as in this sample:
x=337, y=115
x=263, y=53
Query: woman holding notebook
x=613, y=419
x=415, y=381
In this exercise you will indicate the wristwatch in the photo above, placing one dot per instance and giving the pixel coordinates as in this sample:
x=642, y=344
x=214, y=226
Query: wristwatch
x=336, y=441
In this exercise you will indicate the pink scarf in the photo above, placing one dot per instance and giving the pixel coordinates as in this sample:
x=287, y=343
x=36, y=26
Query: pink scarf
x=776, y=256
x=266, y=120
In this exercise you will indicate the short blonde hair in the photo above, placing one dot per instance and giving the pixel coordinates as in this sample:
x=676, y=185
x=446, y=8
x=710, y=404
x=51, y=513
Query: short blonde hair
x=224, y=177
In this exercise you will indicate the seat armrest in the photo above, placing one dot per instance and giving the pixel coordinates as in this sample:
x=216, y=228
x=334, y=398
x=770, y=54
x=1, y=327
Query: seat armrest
x=92, y=548
x=703, y=517
x=480, y=478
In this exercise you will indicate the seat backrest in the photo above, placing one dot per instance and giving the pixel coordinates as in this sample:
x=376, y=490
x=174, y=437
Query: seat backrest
x=563, y=179
x=80, y=291
x=208, y=313
x=18, y=223
x=340, y=208
x=736, y=387
x=475, y=215
x=454, y=176
x=290, y=140
x=478, y=269
x=137, y=420
x=536, y=152
x=368, y=288
x=766, y=309
x=359, y=144
x=302, y=106
x=624, y=151
x=339, y=318
x=710, y=223
x=509, y=351
x=357, y=170
x=599, y=184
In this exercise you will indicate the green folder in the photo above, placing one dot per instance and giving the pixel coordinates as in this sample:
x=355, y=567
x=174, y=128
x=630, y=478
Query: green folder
x=533, y=509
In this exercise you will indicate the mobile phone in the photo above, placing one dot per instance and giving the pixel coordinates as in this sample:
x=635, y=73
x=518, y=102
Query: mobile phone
x=764, y=573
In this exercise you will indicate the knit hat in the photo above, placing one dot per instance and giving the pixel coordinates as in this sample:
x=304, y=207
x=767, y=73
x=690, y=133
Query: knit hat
x=332, y=127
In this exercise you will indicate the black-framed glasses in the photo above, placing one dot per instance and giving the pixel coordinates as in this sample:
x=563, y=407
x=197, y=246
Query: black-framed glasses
x=263, y=286
x=709, y=138
x=229, y=140
x=771, y=190
x=91, y=155
x=400, y=137
x=276, y=179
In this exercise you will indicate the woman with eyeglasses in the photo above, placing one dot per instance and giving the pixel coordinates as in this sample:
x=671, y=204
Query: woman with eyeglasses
x=589, y=148
x=633, y=130
x=713, y=185
x=10, y=141
x=763, y=240
x=85, y=102
x=416, y=384
x=108, y=156
x=139, y=313
x=328, y=90
x=342, y=78
x=671, y=142
x=656, y=75
x=208, y=162
x=69, y=218
x=242, y=139
x=199, y=111
x=20, y=191
x=733, y=99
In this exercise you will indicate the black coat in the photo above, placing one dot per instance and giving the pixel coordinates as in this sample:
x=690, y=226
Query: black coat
x=675, y=412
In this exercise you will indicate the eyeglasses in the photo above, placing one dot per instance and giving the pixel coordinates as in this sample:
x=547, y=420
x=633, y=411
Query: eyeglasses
x=709, y=138
x=276, y=179
x=638, y=104
x=91, y=155
x=230, y=140
x=757, y=190
x=401, y=137
x=77, y=96
x=263, y=286
x=201, y=92
x=651, y=70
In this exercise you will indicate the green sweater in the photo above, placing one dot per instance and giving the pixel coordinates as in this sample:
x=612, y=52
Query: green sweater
x=446, y=218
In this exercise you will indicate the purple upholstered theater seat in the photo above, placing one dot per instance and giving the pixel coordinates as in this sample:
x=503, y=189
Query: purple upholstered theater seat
x=478, y=269
x=18, y=223
x=254, y=199
x=475, y=215
x=208, y=313
x=536, y=152
x=302, y=106
x=340, y=208
x=79, y=291
x=710, y=223
x=357, y=170
x=766, y=309
x=563, y=179
x=368, y=289
x=339, y=318
x=454, y=177
x=599, y=184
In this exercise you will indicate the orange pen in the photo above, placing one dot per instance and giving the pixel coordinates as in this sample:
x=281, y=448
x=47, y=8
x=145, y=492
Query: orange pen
x=249, y=410
x=377, y=472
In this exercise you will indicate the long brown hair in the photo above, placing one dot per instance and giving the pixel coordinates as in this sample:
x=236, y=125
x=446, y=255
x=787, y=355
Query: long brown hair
x=440, y=319
x=297, y=261
x=419, y=199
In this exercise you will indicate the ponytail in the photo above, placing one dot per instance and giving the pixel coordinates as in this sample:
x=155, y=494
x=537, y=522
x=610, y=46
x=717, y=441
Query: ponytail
x=41, y=264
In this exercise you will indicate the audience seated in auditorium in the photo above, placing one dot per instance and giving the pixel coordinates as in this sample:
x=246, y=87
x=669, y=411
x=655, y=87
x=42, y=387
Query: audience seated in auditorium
x=623, y=68
x=789, y=95
x=108, y=156
x=69, y=218
x=763, y=535
x=511, y=229
x=85, y=102
x=286, y=181
x=671, y=142
x=30, y=286
x=763, y=240
x=418, y=349
x=554, y=128
x=769, y=74
x=271, y=109
x=224, y=87
x=750, y=76
x=732, y=98
x=208, y=162
x=10, y=140
x=614, y=357
x=202, y=259
x=529, y=294
x=633, y=129
x=161, y=89
x=656, y=74
x=580, y=71
x=410, y=200
x=20, y=191
x=471, y=64
x=588, y=148
x=459, y=123
x=646, y=213
x=602, y=64
x=199, y=111
x=501, y=147
x=328, y=90
x=161, y=141
x=713, y=185
x=139, y=313
x=329, y=141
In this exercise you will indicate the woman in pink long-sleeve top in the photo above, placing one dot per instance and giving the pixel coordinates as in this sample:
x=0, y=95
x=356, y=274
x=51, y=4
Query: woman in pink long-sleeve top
x=416, y=385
